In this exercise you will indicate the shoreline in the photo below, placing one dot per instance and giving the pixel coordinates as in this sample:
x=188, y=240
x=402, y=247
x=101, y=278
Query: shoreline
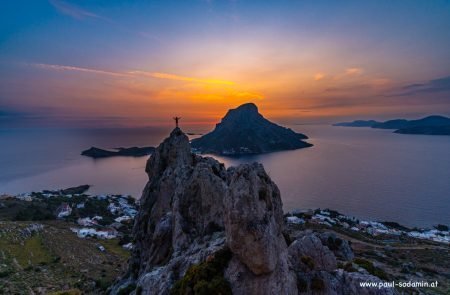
x=326, y=217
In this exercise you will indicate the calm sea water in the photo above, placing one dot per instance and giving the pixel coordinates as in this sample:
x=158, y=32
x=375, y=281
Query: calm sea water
x=363, y=172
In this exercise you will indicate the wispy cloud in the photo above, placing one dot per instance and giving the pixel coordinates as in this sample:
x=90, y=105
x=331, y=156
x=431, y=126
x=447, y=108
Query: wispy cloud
x=319, y=76
x=179, y=78
x=353, y=71
x=348, y=73
x=78, y=69
x=431, y=86
x=73, y=10
x=155, y=75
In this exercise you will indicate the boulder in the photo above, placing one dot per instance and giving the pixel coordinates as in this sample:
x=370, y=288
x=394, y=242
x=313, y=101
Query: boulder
x=308, y=252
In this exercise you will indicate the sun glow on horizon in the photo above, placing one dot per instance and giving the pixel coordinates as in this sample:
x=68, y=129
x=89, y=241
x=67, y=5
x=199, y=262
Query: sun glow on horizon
x=298, y=61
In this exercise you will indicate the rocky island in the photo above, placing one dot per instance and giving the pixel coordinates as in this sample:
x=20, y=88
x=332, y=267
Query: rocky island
x=96, y=153
x=245, y=131
x=431, y=125
x=358, y=123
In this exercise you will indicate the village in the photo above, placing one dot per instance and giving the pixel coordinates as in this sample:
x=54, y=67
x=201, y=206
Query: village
x=93, y=216
x=334, y=219
x=112, y=216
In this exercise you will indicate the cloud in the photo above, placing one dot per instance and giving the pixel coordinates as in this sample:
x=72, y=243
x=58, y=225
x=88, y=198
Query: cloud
x=349, y=72
x=73, y=10
x=353, y=71
x=78, y=69
x=432, y=86
x=7, y=114
x=319, y=76
x=155, y=75
x=179, y=78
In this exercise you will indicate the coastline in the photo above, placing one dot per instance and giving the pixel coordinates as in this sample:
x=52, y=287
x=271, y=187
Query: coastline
x=102, y=232
x=330, y=218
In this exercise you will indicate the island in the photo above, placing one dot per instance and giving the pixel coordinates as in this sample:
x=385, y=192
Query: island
x=245, y=131
x=425, y=130
x=358, y=123
x=431, y=125
x=96, y=153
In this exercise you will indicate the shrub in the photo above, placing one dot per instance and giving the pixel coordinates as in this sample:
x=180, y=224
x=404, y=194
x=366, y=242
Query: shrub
x=308, y=261
x=441, y=227
x=349, y=267
x=302, y=285
x=373, y=270
x=205, y=278
x=68, y=292
x=102, y=284
x=5, y=273
x=127, y=290
x=317, y=284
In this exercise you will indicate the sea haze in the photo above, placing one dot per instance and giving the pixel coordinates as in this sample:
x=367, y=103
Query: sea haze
x=363, y=172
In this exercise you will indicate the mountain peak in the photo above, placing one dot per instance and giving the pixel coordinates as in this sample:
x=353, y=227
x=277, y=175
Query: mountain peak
x=244, y=130
x=174, y=151
x=250, y=106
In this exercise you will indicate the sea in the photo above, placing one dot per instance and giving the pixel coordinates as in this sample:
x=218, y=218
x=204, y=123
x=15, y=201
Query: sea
x=371, y=174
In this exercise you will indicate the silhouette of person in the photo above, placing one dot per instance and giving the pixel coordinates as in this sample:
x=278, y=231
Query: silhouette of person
x=176, y=120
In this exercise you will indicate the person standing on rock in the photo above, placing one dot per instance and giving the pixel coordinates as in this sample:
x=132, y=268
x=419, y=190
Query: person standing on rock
x=176, y=121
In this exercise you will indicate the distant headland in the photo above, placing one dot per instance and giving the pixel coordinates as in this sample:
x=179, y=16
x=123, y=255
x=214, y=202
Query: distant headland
x=431, y=125
x=245, y=131
x=96, y=153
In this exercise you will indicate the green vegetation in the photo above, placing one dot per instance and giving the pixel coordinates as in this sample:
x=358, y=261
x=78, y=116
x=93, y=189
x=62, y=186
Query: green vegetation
x=205, y=278
x=441, y=227
x=34, y=212
x=302, y=285
x=349, y=267
x=54, y=259
x=114, y=246
x=373, y=270
x=308, y=261
x=317, y=284
x=68, y=292
x=334, y=244
x=127, y=290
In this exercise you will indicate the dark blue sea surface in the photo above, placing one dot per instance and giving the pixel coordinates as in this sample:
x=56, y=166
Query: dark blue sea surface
x=363, y=172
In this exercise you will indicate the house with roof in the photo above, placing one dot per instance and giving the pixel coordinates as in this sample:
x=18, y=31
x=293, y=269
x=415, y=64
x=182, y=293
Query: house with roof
x=64, y=210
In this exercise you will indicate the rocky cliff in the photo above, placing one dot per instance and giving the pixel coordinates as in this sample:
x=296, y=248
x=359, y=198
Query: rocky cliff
x=205, y=229
x=244, y=130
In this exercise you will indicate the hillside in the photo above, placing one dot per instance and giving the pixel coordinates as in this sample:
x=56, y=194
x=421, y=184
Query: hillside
x=245, y=131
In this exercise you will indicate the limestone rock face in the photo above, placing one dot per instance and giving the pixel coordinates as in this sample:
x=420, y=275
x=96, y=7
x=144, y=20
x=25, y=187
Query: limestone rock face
x=340, y=247
x=193, y=208
x=179, y=203
x=315, y=268
x=254, y=218
x=254, y=227
x=309, y=252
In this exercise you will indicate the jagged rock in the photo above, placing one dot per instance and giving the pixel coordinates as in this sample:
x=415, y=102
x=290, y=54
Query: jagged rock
x=254, y=226
x=309, y=252
x=192, y=208
x=179, y=203
x=341, y=248
x=351, y=284
x=254, y=218
x=243, y=281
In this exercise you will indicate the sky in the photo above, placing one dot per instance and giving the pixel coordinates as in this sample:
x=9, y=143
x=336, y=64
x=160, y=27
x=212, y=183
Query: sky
x=109, y=63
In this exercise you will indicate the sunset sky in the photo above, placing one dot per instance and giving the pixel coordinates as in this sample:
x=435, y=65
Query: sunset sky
x=136, y=63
